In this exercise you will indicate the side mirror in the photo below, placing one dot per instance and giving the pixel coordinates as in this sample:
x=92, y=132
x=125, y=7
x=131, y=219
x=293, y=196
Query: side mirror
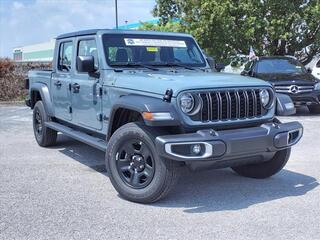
x=85, y=64
x=219, y=67
x=285, y=106
x=210, y=61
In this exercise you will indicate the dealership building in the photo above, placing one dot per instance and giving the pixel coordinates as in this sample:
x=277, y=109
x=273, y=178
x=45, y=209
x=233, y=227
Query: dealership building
x=41, y=52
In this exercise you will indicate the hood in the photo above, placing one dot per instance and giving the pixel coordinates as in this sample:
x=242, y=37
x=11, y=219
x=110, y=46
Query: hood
x=287, y=78
x=159, y=82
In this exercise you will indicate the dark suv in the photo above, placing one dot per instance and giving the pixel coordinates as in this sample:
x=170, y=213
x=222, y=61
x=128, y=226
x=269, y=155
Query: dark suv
x=288, y=76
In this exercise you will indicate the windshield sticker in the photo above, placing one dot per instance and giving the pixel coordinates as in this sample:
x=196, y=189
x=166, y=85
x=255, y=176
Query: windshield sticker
x=154, y=42
x=152, y=49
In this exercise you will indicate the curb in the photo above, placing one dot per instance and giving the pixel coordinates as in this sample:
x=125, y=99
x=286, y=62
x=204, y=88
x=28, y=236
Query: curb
x=12, y=103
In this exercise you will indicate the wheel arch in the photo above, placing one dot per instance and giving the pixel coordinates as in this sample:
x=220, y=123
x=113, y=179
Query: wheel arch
x=40, y=91
x=130, y=108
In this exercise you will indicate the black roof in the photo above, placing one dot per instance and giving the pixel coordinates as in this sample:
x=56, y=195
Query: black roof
x=79, y=33
x=276, y=57
x=127, y=31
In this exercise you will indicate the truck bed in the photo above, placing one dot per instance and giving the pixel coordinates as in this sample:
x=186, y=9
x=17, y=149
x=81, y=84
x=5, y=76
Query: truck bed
x=42, y=76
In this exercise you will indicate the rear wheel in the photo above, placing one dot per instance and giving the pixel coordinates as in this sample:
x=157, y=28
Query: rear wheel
x=134, y=167
x=265, y=169
x=314, y=109
x=44, y=136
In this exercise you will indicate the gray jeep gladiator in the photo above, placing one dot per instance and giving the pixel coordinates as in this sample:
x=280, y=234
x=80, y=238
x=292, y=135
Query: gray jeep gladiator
x=151, y=101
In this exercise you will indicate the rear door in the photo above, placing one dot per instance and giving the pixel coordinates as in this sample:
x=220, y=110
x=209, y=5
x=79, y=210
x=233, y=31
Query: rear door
x=61, y=80
x=85, y=89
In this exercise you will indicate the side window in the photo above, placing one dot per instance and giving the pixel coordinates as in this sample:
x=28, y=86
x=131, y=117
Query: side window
x=318, y=64
x=89, y=48
x=65, y=56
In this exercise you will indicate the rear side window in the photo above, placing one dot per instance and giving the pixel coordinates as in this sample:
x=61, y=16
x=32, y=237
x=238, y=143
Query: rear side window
x=88, y=47
x=65, y=56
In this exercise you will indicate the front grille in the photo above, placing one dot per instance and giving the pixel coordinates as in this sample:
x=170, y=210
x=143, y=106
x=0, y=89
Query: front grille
x=294, y=89
x=229, y=105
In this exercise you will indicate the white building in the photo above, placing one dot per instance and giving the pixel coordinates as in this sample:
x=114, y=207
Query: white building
x=41, y=52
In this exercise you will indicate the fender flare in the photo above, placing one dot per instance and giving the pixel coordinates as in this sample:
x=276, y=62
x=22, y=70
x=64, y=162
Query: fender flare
x=284, y=105
x=45, y=96
x=142, y=104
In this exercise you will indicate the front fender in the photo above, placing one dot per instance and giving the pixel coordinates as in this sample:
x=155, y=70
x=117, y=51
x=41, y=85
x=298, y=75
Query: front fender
x=142, y=104
x=285, y=106
x=45, y=96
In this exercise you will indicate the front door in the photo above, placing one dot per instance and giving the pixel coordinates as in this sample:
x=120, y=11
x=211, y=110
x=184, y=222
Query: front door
x=85, y=90
x=61, y=79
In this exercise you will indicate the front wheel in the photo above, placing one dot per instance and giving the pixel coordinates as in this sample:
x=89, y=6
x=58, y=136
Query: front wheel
x=134, y=167
x=265, y=169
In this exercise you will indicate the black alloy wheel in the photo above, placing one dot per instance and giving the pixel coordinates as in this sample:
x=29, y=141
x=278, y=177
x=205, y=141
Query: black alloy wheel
x=135, y=163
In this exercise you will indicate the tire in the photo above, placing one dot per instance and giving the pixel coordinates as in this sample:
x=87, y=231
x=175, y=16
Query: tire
x=44, y=136
x=123, y=162
x=265, y=169
x=314, y=109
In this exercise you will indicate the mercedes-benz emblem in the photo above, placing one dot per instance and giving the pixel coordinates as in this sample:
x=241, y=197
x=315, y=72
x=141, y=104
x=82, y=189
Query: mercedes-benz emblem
x=294, y=89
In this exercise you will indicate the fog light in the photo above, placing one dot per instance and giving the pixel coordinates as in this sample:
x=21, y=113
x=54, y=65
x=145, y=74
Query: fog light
x=196, y=149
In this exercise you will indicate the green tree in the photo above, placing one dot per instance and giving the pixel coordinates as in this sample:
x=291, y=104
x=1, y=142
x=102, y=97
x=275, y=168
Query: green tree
x=168, y=27
x=228, y=27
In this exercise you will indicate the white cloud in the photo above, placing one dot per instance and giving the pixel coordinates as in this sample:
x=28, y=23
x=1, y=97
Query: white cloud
x=17, y=5
x=25, y=23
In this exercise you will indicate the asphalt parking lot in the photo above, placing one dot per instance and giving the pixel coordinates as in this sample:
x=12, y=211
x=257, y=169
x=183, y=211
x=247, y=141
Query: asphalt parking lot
x=64, y=192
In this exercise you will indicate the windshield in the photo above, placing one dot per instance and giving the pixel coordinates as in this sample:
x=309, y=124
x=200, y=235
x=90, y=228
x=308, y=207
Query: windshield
x=280, y=66
x=127, y=50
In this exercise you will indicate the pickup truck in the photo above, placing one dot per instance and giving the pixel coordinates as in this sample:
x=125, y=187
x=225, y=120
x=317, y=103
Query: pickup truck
x=151, y=101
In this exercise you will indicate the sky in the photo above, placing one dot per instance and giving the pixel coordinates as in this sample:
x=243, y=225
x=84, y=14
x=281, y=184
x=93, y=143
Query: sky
x=24, y=22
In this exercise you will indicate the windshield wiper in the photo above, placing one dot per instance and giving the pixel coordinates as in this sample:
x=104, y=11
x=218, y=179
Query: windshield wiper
x=136, y=64
x=171, y=64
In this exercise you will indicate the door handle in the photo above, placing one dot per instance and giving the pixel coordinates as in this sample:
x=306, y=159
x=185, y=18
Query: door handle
x=75, y=87
x=58, y=83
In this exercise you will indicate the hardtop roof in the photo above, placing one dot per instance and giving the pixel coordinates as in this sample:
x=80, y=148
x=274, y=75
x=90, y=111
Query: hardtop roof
x=114, y=31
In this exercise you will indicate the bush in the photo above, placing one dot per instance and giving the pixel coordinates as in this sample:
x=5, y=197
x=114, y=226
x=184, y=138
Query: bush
x=12, y=78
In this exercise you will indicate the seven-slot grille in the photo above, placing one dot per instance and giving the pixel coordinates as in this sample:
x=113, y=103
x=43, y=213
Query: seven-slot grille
x=230, y=105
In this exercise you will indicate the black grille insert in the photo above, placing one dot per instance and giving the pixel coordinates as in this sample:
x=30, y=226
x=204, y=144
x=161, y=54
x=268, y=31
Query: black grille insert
x=229, y=105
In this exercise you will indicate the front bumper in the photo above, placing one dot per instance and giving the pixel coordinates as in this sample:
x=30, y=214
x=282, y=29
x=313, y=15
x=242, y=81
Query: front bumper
x=213, y=145
x=306, y=98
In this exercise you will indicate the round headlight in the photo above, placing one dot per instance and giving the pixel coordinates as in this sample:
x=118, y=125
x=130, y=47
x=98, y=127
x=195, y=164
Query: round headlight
x=264, y=97
x=317, y=86
x=186, y=102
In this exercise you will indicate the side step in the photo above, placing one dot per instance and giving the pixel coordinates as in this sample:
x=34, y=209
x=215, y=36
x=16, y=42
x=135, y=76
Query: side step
x=80, y=136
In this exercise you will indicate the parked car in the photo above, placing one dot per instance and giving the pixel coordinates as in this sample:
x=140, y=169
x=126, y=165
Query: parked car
x=237, y=64
x=314, y=66
x=288, y=76
x=152, y=103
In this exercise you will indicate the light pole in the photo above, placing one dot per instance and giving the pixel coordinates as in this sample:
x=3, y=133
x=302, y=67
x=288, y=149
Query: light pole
x=116, y=8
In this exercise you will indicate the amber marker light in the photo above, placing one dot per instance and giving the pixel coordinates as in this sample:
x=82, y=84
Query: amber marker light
x=157, y=116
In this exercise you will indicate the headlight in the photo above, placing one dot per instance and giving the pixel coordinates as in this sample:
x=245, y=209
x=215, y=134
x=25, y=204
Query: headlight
x=317, y=86
x=186, y=102
x=264, y=97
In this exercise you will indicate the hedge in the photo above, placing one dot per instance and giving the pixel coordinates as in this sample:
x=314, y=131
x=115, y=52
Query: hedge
x=12, y=78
